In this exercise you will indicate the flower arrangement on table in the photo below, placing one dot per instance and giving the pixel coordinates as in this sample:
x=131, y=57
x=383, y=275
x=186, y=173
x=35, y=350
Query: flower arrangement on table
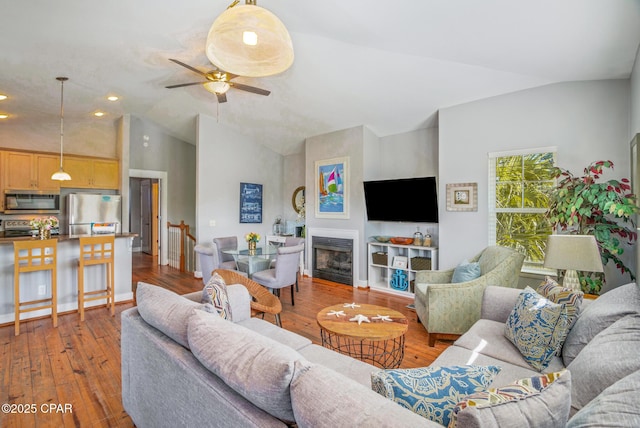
x=252, y=237
x=46, y=223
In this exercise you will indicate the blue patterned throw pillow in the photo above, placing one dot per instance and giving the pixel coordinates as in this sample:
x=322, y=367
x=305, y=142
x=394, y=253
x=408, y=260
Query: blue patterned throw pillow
x=537, y=327
x=432, y=392
x=215, y=297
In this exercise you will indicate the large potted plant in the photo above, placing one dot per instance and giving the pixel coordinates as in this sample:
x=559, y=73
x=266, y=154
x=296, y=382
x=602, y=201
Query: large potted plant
x=586, y=206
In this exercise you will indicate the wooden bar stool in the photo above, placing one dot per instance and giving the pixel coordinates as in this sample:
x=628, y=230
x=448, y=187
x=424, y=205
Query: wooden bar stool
x=35, y=256
x=97, y=250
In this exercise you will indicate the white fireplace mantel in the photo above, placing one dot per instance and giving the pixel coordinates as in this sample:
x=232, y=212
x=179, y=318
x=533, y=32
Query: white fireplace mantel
x=336, y=233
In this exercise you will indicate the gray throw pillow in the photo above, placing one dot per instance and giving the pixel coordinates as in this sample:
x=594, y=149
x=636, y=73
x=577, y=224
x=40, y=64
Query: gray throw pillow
x=165, y=310
x=610, y=356
x=600, y=314
x=256, y=367
x=536, y=402
x=615, y=407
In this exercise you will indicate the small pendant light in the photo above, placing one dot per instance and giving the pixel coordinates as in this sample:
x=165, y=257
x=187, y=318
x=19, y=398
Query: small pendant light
x=60, y=175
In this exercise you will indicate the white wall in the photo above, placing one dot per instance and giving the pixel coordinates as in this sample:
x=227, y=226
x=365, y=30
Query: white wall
x=587, y=121
x=224, y=160
x=294, y=177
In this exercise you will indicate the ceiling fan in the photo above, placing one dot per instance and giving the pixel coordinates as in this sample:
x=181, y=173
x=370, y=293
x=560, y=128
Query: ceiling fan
x=218, y=82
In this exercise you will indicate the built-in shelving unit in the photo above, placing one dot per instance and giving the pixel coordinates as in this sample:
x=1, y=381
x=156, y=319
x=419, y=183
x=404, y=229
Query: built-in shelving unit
x=392, y=268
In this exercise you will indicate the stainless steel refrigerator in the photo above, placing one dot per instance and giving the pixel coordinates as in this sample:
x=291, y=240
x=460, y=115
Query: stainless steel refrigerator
x=86, y=209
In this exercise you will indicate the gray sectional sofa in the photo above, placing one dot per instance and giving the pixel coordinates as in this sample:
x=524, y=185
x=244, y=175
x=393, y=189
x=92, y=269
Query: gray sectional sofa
x=185, y=367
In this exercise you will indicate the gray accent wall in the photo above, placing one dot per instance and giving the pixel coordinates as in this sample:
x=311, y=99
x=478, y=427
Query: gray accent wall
x=586, y=121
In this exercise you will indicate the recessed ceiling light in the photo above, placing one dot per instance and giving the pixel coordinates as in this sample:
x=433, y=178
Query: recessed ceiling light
x=113, y=98
x=3, y=97
x=3, y=116
x=98, y=114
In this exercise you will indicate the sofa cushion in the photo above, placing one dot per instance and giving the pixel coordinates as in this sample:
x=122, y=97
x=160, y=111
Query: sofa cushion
x=165, y=310
x=487, y=337
x=572, y=299
x=610, y=356
x=352, y=368
x=432, y=392
x=350, y=401
x=537, y=327
x=466, y=271
x=537, y=402
x=258, y=368
x=600, y=314
x=215, y=297
x=616, y=406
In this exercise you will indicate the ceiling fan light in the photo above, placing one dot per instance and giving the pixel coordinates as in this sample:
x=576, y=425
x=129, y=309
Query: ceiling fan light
x=217, y=87
x=249, y=38
x=226, y=48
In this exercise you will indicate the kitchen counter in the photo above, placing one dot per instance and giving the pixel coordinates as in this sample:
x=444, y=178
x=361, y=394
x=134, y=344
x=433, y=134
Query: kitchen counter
x=61, y=238
x=68, y=252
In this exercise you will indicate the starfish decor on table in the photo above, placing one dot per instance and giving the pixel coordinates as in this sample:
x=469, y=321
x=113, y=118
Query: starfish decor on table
x=382, y=318
x=337, y=313
x=351, y=305
x=360, y=318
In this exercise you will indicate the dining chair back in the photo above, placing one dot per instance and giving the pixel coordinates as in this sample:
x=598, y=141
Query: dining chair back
x=226, y=261
x=285, y=273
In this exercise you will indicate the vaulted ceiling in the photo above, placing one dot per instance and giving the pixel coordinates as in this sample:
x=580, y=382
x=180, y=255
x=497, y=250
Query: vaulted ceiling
x=387, y=65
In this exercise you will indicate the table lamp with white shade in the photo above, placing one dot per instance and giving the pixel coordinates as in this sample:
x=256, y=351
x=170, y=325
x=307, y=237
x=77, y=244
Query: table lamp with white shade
x=573, y=253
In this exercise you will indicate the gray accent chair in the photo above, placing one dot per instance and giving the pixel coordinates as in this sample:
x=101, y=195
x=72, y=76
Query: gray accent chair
x=285, y=274
x=290, y=241
x=226, y=261
x=209, y=262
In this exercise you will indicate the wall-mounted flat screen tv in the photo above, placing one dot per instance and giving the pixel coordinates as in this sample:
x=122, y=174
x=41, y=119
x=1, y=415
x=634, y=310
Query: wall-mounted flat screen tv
x=412, y=200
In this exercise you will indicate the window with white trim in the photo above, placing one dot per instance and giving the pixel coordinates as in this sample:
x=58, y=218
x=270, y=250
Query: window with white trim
x=519, y=183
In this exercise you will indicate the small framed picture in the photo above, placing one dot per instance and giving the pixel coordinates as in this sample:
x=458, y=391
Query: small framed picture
x=462, y=197
x=400, y=262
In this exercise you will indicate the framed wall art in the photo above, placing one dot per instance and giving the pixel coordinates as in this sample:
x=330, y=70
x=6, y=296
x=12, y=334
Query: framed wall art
x=332, y=188
x=462, y=197
x=250, y=203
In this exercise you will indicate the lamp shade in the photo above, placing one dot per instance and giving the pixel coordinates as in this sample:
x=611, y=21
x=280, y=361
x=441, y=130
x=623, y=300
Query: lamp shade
x=573, y=253
x=577, y=252
x=248, y=40
x=217, y=87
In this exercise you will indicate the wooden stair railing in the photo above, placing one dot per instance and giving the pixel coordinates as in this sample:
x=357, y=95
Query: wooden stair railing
x=180, y=249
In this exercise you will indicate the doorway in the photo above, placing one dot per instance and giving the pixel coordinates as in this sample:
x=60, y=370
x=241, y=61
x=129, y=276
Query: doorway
x=144, y=197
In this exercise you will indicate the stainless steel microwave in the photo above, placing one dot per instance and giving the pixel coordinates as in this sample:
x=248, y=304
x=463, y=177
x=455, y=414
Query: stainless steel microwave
x=31, y=202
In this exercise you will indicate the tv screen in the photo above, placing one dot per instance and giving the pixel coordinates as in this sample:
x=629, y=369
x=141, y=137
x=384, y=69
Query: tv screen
x=405, y=200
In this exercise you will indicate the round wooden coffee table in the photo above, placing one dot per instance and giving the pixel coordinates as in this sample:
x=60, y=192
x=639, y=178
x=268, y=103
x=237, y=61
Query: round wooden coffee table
x=378, y=339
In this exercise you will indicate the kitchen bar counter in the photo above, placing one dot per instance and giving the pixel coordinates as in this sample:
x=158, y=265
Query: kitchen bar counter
x=68, y=252
x=61, y=238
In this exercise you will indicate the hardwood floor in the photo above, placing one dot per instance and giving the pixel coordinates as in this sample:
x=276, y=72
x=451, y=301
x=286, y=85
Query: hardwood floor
x=70, y=376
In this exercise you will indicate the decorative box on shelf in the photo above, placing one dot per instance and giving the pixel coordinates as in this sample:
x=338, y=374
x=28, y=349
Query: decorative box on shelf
x=379, y=258
x=421, y=263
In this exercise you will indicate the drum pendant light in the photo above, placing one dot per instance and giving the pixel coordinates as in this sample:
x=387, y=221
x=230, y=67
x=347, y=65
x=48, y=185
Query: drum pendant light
x=248, y=40
x=60, y=175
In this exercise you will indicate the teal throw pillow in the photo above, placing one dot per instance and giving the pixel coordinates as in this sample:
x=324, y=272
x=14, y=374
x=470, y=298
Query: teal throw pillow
x=432, y=392
x=466, y=272
x=537, y=327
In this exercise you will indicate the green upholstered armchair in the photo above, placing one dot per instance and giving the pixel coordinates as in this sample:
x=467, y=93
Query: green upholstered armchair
x=447, y=309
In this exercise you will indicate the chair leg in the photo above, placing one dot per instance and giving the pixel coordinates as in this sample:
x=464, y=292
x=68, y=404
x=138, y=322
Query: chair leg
x=278, y=322
x=292, y=302
x=297, y=282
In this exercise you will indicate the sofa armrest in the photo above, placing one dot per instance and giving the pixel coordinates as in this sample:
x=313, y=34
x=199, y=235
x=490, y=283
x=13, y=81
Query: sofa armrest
x=239, y=300
x=498, y=302
x=434, y=276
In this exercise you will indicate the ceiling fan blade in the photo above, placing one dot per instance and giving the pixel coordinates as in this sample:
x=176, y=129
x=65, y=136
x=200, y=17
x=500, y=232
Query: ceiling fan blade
x=222, y=98
x=195, y=70
x=185, y=84
x=248, y=88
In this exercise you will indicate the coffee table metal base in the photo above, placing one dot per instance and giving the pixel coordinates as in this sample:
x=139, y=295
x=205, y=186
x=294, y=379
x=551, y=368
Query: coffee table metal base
x=387, y=354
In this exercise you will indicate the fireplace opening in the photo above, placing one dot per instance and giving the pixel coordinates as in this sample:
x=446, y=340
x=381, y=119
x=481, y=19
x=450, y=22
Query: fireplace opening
x=333, y=259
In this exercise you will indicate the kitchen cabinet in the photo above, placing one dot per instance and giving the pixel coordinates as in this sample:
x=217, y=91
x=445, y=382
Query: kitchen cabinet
x=89, y=173
x=29, y=171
